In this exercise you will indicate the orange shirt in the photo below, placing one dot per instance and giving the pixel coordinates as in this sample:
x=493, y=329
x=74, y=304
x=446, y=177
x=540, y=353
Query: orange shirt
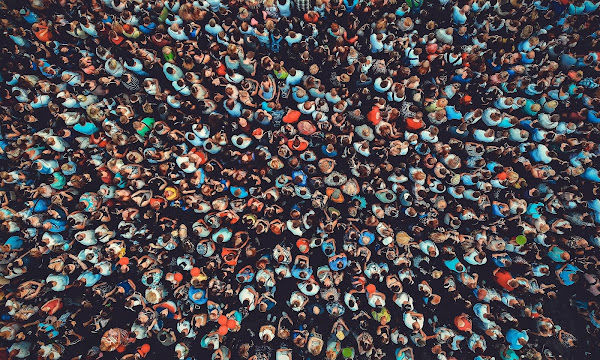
x=292, y=117
x=43, y=34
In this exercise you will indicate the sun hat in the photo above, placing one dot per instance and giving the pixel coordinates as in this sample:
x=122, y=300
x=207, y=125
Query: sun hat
x=345, y=78
x=153, y=296
x=326, y=165
x=335, y=179
x=365, y=132
x=351, y=187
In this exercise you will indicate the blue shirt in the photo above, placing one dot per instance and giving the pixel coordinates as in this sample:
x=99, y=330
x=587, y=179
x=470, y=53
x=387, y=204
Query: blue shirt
x=513, y=336
x=564, y=274
x=15, y=242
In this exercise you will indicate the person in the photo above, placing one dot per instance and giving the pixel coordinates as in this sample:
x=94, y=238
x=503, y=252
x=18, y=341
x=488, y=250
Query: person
x=267, y=179
x=516, y=339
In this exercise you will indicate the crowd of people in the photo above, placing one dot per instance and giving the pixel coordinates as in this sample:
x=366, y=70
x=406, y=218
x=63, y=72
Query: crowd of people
x=299, y=179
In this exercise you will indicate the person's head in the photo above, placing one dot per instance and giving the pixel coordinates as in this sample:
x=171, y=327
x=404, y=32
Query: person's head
x=513, y=283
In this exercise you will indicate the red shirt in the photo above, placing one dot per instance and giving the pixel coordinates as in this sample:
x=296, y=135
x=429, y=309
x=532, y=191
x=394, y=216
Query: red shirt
x=374, y=116
x=502, y=278
x=414, y=124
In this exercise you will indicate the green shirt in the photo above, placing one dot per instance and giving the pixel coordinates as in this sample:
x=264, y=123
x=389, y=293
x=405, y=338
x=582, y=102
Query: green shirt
x=281, y=75
x=149, y=122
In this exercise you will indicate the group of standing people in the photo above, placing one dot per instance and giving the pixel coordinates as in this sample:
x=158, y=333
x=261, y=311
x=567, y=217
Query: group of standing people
x=299, y=179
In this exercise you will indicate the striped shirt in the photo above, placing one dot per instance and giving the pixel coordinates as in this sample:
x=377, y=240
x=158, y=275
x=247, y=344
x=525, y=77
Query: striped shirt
x=303, y=5
x=133, y=84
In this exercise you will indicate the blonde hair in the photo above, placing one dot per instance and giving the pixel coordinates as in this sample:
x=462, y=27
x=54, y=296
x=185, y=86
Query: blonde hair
x=231, y=49
x=534, y=40
x=381, y=25
x=270, y=25
x=116, y=27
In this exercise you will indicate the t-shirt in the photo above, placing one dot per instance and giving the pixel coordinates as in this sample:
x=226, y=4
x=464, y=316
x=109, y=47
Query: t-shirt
x=513, y=336
x=414, y=124
x=61, y=281
x=502, y=278
x=566, y=272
